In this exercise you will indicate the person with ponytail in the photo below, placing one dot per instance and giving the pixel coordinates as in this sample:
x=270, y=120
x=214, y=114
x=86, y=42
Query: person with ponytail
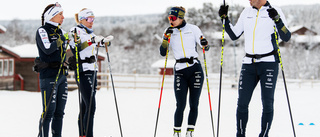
x=84, y=44
x=51, y=43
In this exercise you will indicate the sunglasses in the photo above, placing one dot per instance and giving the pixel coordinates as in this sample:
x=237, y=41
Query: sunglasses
x=172, y=18
x=55, y=5
x=89, y=19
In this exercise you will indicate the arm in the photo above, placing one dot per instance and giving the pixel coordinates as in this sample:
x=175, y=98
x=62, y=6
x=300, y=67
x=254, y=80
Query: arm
x=44, y=43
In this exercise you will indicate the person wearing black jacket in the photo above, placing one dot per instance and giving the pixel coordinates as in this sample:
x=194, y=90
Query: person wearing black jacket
x=51, y=45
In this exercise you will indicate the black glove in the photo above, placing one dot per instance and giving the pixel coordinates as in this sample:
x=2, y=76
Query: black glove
x=204, y=43
x=168, y=32
x=223, y=11
x=72, y=63
x=273, y=14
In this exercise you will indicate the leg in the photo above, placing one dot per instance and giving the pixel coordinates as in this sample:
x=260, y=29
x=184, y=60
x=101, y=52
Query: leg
x=195, y=85
x=269, y=74
x=61, y=100
x=46, y=86
x=86, y=80
x=247, y=82
x=181, y=90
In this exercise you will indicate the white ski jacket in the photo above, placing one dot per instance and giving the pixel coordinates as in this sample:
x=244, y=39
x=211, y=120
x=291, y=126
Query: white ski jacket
x=259, y=32
x=183, y=43
x=87, y=48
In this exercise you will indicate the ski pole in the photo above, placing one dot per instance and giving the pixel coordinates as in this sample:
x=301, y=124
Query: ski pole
x=92, y=91
x=78, y=80
x=221, y=65
x=205, y=66
x=54, y=90
x=109, y=38
x=284, y=82
x=161, y=90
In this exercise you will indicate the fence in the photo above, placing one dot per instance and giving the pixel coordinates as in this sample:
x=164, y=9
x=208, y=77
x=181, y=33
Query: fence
x=152, y=81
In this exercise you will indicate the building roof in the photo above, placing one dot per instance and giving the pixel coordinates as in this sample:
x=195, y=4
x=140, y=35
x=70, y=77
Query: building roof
x=160, y=63
x=2, y=29
x=28, y=51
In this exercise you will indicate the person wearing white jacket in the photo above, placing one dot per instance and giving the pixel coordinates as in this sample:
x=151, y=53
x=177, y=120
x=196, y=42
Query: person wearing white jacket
x=87, y=44
x=261, y=24
x=183, y=38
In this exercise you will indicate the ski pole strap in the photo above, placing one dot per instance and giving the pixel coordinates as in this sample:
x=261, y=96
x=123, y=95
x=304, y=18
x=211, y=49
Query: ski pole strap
x=184, y=60
x=259, y=56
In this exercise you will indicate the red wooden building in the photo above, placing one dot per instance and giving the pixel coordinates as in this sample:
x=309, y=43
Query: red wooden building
x=160, y=64
x=16, y=67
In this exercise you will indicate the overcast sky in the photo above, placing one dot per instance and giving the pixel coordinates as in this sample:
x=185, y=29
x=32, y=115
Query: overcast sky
x=32, y=9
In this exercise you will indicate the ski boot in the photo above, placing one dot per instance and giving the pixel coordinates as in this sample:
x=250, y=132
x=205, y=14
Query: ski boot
x=177, y=133
x=190, y=132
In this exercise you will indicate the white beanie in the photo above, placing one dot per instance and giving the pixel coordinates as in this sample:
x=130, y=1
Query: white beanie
x=85, y=14
x=53, y=11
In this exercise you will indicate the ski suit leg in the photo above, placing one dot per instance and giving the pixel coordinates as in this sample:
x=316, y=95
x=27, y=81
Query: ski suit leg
x=195, y=86
x=268, y=80
x=247, y=82
x=46, y=86
x=181, y=90
x=61, y=99
x=86, y=80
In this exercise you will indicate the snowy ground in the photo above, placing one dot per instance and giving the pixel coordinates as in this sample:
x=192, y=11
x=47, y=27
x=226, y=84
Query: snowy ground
x=20, y=112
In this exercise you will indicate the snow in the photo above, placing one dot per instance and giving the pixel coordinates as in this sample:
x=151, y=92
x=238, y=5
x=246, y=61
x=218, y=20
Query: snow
x=3, y=28
x=160, y=63
x=20, y=112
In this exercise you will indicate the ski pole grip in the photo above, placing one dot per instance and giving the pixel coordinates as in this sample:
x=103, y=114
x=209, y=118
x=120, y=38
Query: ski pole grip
x=75, y=35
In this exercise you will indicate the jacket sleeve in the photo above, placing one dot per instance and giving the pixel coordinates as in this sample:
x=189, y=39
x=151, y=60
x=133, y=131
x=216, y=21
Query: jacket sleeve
x=282, y=28
x=236, y=31
x=44, y=43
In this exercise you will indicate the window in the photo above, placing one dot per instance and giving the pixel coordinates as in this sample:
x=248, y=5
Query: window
x=1, y=67
x=5, y=67
x=11, y=67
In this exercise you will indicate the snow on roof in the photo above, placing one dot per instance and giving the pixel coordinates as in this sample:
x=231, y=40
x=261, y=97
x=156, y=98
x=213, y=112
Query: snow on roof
x=295, y=28
x=307, y=39
x=30, y=51
x=160, y=63
x=26, y=51
x=3, y=28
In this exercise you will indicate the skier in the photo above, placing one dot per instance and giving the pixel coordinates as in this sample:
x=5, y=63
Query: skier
x=188, y=73
x=261, y=25
x=87, y=45
x=51, y=43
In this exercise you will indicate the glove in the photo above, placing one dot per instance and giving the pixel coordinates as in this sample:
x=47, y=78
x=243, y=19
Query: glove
x=72, y=63
x=165, y=43
x=66, y=36
x=168, y=32
x=107, y=40
x=204, y=44
x=71, y=37
x=273, y=14
x=60, y=41
x=223, y=11
x=97, y=39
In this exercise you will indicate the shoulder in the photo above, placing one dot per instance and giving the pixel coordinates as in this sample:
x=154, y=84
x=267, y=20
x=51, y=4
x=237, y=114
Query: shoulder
x=191, y=26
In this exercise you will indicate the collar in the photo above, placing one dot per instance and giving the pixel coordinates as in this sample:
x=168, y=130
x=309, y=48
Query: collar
x=52, y=23
x=182, y=25
x=89, y=31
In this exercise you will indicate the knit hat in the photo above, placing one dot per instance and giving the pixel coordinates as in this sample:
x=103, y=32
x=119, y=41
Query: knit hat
x=85, y=14
x=178, y=12
x=53, y=11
